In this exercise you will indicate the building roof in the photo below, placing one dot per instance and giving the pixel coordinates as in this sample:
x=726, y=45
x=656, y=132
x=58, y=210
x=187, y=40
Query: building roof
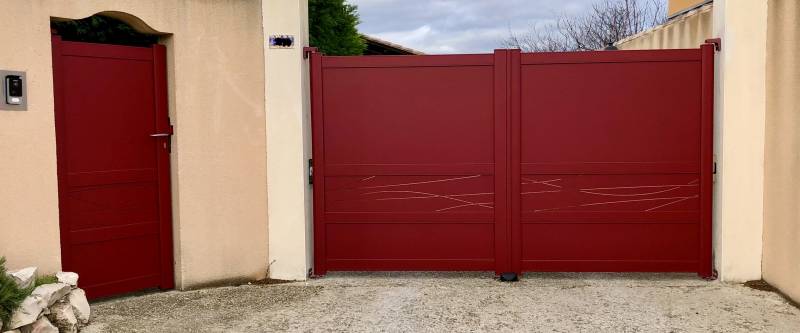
x=377, y=46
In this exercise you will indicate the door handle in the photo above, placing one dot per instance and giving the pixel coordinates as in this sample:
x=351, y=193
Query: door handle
x=167, y=143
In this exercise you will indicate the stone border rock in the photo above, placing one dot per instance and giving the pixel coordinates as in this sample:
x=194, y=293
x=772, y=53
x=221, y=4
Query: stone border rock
x=53, y=307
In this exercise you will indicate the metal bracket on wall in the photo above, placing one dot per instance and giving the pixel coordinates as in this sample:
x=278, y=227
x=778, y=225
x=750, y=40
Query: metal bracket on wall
x=308, y=50
x=717, y=43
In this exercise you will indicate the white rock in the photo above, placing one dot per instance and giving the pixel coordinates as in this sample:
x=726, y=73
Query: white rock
x=40, y=326
x=27, y=312
x=52, y=292
x=80, y=305
x=69, y=278
x=62, y=316
x=24, y=277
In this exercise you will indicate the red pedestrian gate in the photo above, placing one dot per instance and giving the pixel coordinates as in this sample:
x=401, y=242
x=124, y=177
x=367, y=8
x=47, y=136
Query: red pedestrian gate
x=112, y=138
x=513, y=162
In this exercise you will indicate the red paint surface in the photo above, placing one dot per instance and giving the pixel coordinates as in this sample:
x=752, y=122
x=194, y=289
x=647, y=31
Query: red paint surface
x=114, y=197
x=589, y=161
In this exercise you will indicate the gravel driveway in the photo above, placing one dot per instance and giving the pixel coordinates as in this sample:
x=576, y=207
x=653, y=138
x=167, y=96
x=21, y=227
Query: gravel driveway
x=460, y=302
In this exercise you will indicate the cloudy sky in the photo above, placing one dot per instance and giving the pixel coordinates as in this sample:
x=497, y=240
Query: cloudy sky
x=457, y=26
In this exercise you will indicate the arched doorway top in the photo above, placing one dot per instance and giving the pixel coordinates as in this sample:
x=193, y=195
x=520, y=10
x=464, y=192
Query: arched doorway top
x=108, y=27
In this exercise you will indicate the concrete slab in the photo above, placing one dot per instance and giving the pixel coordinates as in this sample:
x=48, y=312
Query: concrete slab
x=458, y=302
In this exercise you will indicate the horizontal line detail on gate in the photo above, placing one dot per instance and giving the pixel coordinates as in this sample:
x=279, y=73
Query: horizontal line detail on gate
x=691, y=216
x=104, y=234
x=410, y=217
x=646, y=265
x=610, y=168
x=409, y=61
x=455, y=169
x=544, y=58
x=111, y=52
x=630, y=56
x=411, y=264
x=111, y=177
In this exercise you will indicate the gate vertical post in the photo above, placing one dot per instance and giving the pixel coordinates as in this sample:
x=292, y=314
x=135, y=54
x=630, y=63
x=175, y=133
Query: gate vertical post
x=318, y=176
x=164, y=190
x=515, y=184
x=705, y=268
x=501, y=162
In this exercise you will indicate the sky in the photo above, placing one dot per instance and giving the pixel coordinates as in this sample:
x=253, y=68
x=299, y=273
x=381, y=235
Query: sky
x=457, y=26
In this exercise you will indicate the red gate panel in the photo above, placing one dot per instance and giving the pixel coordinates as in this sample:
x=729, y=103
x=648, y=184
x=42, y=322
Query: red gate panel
x=113, y=175
x=404, y=163
x=590, y=161
x=610, y=161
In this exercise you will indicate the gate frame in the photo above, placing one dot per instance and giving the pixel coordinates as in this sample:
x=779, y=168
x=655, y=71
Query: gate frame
x=318, y=170
x=163, y=176
x=507, y=145
x=708, y=167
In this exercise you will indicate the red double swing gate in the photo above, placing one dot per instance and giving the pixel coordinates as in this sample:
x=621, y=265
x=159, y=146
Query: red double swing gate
x=514, y=162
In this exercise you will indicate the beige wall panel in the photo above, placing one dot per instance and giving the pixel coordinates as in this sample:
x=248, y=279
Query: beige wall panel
x=781, y=263
x=740, y=111
x=289, y=143
x=676, y=6
x=216, y=83
x=687, y=31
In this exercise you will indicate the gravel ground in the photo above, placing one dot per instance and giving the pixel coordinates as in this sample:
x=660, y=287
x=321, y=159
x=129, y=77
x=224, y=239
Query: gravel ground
x=457, y=302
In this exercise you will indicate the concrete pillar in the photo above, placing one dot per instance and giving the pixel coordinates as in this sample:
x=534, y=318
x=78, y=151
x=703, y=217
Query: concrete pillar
x=288, y=141
x=739, y=137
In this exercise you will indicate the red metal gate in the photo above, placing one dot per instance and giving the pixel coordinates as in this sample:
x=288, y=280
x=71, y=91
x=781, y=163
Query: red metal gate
x=590, y=161
x=112, y=135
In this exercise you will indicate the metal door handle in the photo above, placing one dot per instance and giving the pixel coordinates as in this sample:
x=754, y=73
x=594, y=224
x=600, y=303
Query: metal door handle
x=160, y=134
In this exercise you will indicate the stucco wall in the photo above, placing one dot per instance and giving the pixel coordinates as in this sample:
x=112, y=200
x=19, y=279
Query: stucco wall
x=676, y=6
x=781, y=262
x=687, y=31
x=740, y=111
x=216, y=91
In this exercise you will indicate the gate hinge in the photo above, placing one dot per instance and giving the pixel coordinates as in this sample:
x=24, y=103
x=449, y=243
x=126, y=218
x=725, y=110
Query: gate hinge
x=717, y=43
x=171, y=131
x=714, y=275
x=308, y=50
x=311, y=171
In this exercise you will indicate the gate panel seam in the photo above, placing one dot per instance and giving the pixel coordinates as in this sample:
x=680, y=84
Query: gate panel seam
x=501, y=153
x=515, y=93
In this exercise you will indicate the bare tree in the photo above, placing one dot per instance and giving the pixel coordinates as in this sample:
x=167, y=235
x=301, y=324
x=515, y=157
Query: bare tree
x=607, y=22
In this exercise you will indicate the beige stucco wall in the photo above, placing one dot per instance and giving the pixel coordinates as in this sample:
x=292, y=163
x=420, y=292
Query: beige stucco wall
x=739, y=122
x=686, y=31
x=676, y=6
x=781, y=265
x=216, y=83
x=288, y=142
x=740, y=111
